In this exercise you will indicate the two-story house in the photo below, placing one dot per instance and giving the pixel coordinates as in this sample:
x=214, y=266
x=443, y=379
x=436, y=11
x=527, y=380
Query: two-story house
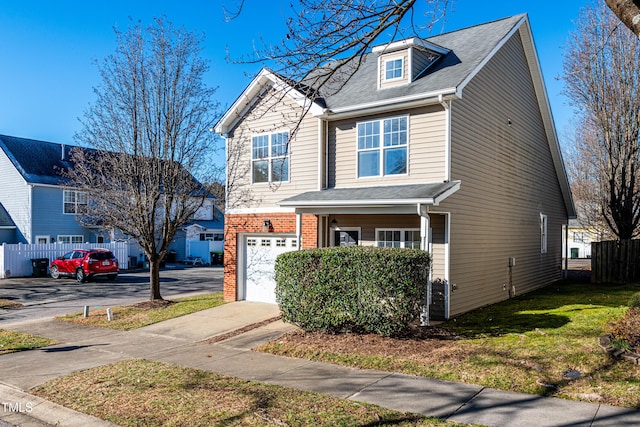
x=34, y=194
x=38, y=204
x=445, y=144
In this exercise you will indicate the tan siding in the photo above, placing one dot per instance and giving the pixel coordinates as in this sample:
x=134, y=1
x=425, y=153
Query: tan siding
x=303, y=155
x=501, y=155
x=426, y=150
x=405, y=64
x=438, y=247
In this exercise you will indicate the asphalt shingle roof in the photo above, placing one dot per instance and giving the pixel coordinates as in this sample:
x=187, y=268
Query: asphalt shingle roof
x=468, y=48
x=38, y=162
x=369, y=195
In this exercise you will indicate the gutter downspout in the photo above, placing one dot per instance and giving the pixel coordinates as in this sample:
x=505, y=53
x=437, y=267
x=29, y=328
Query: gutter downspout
x=565, y=273
x=424, y=245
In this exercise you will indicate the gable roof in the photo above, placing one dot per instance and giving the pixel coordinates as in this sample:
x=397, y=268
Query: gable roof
x=465, y=51
x=43, y=163
x=39, y=162
x=468, y=50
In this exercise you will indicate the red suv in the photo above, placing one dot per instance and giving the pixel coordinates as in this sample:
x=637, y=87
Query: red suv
x=84, y=264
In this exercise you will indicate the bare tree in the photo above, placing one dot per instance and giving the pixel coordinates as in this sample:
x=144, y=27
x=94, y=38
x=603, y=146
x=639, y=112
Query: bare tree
x=628, y=11
x=602, y=76
x=582, y=156
x=326, y=39
x=149, y=130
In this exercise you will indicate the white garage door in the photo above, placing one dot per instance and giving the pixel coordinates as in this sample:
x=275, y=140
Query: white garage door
x=259, y=261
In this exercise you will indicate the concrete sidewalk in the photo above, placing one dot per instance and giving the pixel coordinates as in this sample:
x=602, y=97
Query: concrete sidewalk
x=179, y=341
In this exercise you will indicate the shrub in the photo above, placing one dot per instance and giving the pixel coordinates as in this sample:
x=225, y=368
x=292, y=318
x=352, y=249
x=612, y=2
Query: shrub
x=628, y=328
x=357, y=289
x=634, y=301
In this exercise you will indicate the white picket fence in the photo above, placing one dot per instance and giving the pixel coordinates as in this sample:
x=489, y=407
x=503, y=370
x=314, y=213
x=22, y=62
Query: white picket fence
x=16, y=260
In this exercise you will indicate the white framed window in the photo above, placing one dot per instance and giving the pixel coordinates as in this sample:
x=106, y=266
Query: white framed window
x=265, y=243
x=543, y=233
x=74, y=201
x=408, y=238
x=70, y=239
x=212, y=237
x=578, y=237
x=281, y=243
x=42, y=239
x=252, y=242
x=270, y=158
x=382, y=147
x=393, y=69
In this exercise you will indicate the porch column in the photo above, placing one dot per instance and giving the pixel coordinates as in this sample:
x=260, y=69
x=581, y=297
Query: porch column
x=299, y=229
x=425, y=240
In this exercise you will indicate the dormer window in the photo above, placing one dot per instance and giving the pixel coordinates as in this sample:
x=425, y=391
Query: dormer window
x=393, y=69
x=405, y=61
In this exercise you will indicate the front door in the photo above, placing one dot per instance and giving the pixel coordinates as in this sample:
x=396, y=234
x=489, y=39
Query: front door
x=347, y=237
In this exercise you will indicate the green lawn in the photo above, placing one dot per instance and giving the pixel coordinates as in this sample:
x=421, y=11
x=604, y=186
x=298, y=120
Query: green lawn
x=527, y=344
x=15, y=341
x=139, y=315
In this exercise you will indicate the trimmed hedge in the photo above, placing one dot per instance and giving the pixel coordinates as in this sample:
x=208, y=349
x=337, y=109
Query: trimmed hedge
x=634, y=301
x=357, y=289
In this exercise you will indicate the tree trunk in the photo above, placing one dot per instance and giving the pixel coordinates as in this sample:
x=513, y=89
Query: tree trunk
x=628, y=11
x=154, y=280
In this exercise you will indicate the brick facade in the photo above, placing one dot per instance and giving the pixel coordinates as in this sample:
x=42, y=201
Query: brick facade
x=253, y=223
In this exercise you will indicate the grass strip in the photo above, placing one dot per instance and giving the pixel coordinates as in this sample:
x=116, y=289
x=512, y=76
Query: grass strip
x=140, y=392
x=8, y=304
x=531, y=344
x=145, y=313
x=11, y=341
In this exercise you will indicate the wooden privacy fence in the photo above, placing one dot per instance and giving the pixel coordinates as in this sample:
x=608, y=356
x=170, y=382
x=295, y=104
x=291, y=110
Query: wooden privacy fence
x=615, y=261
x=15, y=260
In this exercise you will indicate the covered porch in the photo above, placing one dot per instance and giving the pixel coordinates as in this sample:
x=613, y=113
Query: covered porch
x=405, y=216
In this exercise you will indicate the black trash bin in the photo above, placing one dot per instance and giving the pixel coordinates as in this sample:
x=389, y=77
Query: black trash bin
x=39, y=266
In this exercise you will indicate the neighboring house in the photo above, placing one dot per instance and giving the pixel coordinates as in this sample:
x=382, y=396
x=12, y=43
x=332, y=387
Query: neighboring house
x=580, y=238
x=40, y=203
x=446, y=144
x=204, y=237
x=34, y=193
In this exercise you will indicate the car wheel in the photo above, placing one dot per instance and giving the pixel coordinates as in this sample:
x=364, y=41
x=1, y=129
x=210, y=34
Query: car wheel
x=55, y=273
x=112, y=276
x=80, y=276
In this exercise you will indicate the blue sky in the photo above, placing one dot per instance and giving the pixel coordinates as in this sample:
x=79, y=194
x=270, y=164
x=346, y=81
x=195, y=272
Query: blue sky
x=48, y=50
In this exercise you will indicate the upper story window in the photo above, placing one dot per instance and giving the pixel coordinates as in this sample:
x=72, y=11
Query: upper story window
x=270, y=157
x=382, y=147
x=393, y=69
x=74, y=201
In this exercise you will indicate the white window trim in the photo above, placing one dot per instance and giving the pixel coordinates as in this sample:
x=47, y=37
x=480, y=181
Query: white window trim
x=386, y=62
x=71, y=238
x=381, y=148
x=332, y=234
x=45, y=238
x=269, y=158
x=64, y=202
x=543, y=233
x=401, y=230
